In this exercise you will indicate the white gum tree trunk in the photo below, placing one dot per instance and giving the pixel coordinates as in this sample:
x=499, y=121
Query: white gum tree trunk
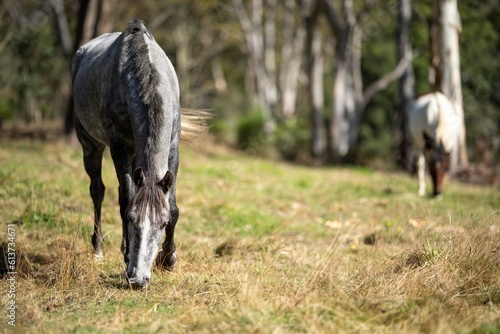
x=406, y=82
x=259, y=37
x=349, y=95
x=446, y=64
x=274, y=39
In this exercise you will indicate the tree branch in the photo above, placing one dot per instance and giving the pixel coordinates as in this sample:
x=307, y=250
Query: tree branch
x=385, y=80
x=245, y=22
x=159, y=19
x=62, y=27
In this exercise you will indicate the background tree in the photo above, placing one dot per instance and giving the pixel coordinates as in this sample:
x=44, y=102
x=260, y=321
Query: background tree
x=277, y=98
x=406, y=82
x=209, y=48
x=311, y=10
x=445, y=61
x=260, y=43
x=349, y=95
x=94, y=18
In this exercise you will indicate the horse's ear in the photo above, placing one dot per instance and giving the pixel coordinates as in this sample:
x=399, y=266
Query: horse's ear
x=166, y=183
x=139, y=177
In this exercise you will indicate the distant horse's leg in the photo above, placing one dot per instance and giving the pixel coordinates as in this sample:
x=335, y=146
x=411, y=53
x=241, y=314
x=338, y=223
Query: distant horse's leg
x=123, y=166
x=92, y=159
x=421, y=174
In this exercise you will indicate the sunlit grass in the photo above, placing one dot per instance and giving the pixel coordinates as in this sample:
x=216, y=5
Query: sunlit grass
x=263, y=247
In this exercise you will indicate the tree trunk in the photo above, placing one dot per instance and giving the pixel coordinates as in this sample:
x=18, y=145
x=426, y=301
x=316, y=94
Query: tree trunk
x=269, y=39
x=259, y=23
x=220, y=82
x=183, y=56
x=350, y=98
x=406, y=83
x=62, y=28
x=344, y=94
x=95, y=17
x=315, y=70
x=446, y=64
x=291, y=59
x=260, y=54
x=342, y=108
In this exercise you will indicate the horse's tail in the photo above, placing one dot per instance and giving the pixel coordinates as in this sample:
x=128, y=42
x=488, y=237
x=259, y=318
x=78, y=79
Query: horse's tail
x=193, y=123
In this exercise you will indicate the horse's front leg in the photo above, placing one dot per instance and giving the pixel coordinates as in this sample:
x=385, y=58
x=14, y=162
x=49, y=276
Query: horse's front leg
x=123, y=166
x=92, y=160
x=167, y=256
x=421, y=174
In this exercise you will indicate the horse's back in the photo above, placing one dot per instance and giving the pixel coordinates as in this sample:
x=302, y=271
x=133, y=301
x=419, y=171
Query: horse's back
x=434, y=115
x=92, y=69
x=422, y=117
x=91, y=55
x=126, y=93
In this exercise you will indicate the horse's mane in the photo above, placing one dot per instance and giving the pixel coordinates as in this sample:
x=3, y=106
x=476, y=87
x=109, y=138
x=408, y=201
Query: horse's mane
x=193, y=122
x=147, y=76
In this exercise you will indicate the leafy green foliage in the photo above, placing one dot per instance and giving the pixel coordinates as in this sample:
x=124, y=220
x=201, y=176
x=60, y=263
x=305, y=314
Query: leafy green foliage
x=35, y=81
x=292, y=138
x=250, y=131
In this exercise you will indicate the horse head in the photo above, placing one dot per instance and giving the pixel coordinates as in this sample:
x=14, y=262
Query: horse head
x=148, y=215
x=439, y=161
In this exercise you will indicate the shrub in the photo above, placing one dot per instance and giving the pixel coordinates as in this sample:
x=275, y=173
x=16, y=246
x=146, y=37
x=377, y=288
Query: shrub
x=250, y=131
x=292, y=139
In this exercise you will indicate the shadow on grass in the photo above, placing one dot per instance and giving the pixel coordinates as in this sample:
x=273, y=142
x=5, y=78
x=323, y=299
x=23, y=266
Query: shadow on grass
x=113, y=281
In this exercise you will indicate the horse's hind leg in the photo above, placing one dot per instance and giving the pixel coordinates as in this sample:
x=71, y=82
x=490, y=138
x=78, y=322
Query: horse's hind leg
x=123, y=166
x=92, y=159
x=421, y=174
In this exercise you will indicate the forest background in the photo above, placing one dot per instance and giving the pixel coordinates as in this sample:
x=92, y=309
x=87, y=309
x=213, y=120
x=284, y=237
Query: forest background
x=212, y=53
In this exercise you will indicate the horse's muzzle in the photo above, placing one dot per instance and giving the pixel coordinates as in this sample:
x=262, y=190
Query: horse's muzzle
x=138, y=282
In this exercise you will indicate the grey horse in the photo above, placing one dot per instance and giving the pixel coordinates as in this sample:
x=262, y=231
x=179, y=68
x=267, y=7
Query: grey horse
x=126, y=97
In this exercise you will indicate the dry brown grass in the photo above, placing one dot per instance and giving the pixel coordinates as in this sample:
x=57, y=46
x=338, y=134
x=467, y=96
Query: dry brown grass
x=264, y=248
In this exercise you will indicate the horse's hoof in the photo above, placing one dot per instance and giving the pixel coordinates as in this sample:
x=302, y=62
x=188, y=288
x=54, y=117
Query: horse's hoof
x=438, y=197
x=166, y=261
x=98, y=258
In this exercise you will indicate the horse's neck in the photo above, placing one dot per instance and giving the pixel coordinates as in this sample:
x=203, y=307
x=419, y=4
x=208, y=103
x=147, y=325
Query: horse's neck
x=152, y=154
x=152, y=92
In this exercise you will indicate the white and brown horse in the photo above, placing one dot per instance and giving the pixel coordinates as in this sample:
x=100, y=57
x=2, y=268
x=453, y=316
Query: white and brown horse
x=434, y=125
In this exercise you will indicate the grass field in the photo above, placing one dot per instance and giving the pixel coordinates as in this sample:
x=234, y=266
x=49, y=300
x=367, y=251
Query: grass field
x=264, y=247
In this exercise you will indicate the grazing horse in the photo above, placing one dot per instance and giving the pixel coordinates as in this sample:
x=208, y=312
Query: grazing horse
x=434, y=125
x=126, y=97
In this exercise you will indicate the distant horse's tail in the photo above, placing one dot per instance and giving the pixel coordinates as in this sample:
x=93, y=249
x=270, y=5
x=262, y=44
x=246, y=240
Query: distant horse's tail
x=193, y=123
